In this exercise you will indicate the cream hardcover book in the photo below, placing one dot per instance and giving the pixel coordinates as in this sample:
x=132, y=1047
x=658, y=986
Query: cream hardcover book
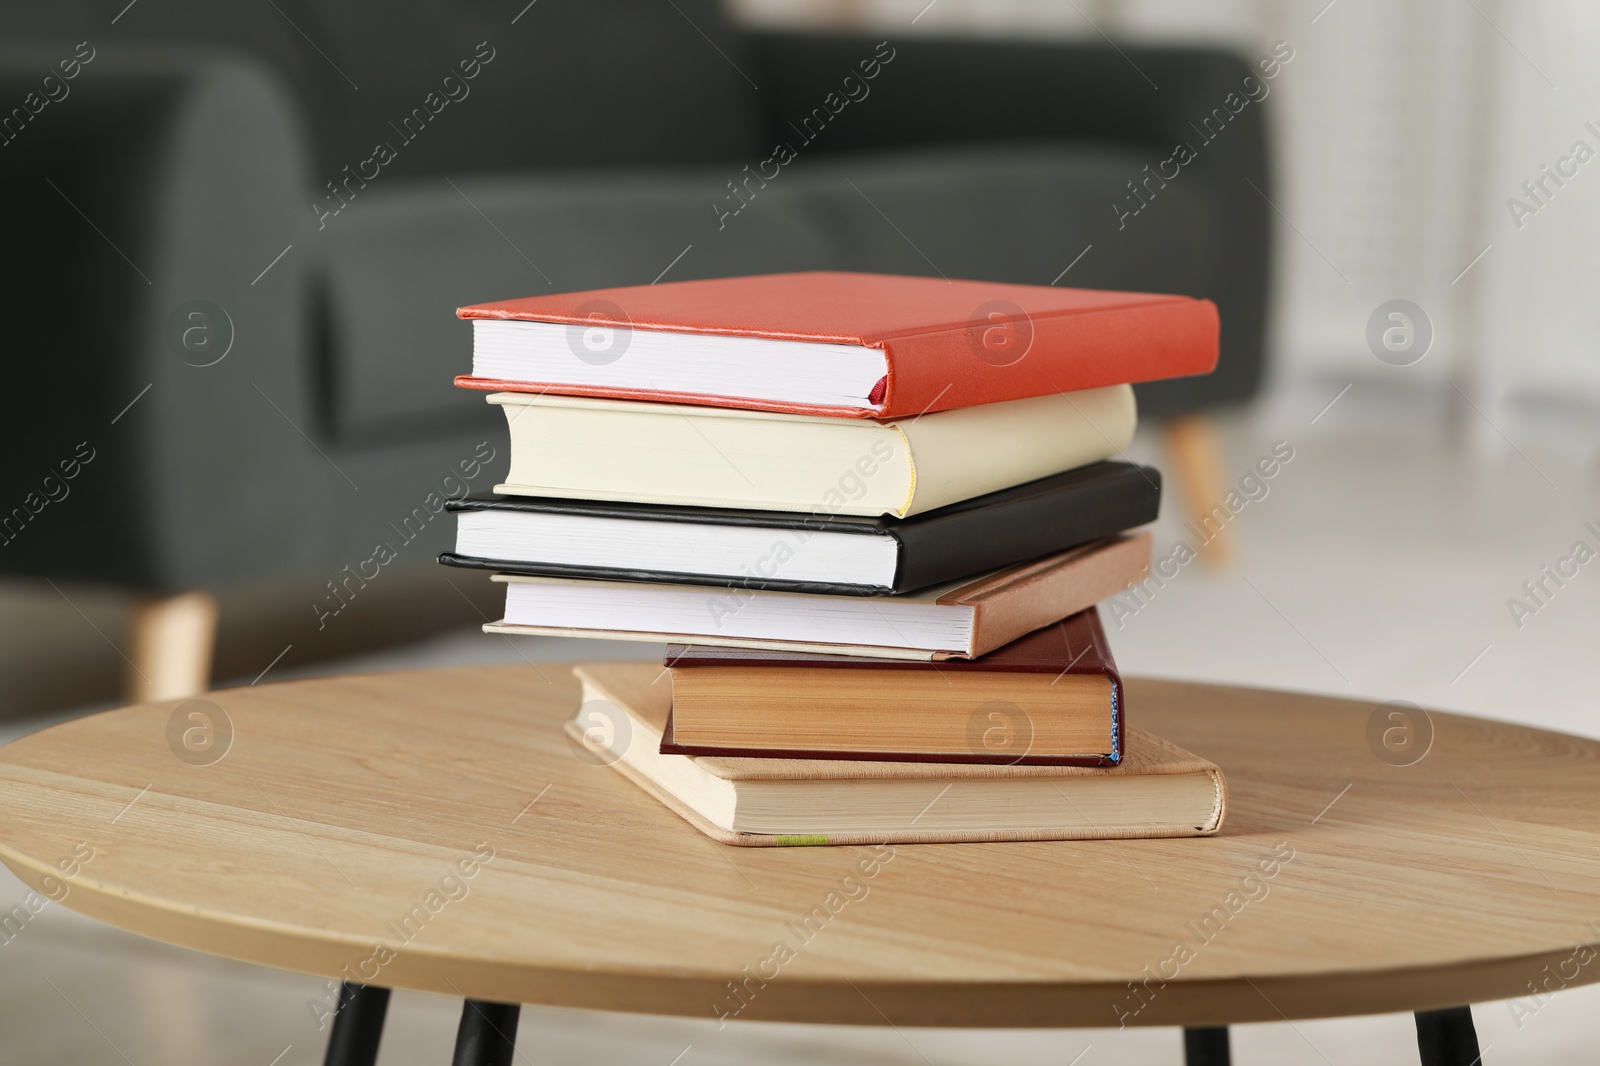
x=664, y=453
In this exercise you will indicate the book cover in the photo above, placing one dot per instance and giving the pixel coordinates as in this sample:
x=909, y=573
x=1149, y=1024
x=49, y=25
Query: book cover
x=987, y=726
x=946, y=344
x=1159, y=790
x=582, y=448
x=973, y=536
x=993, y=609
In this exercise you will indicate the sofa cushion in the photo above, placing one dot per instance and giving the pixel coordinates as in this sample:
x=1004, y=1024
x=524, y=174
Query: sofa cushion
x=398, y=263
x=1012, y=213
x=404, y=258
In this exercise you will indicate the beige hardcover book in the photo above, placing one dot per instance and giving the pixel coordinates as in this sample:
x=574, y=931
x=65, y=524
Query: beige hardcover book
x=1159, y=790
x=960, y=620
x=664, y=453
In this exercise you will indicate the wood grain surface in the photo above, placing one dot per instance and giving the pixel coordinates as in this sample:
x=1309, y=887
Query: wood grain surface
x=437, y=831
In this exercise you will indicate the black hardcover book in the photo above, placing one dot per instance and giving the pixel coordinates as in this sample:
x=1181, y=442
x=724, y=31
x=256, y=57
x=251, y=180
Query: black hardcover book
x=797, y=552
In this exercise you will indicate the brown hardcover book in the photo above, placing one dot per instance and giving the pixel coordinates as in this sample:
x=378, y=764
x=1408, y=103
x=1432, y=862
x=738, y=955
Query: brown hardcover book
x=959, y=620
x=1158, y=790
x=1052, y=697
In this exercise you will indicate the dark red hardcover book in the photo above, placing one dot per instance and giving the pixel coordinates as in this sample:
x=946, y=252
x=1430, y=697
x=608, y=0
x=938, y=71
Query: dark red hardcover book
x=1050, y=698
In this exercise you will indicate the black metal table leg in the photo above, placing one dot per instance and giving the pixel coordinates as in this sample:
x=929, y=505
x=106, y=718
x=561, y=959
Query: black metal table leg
x=1447, y=1037
x=357, y=1025
x=1206, y=1047
x=488, y=1034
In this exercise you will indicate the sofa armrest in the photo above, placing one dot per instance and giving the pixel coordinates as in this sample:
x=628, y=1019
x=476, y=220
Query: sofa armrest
x=942, y=91
x=160, y=183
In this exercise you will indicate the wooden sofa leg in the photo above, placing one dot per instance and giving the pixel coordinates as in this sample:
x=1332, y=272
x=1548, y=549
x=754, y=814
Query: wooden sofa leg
x=170, y=651
x=1199, y=465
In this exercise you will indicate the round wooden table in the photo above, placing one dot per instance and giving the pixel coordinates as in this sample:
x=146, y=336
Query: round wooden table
x=437, y=831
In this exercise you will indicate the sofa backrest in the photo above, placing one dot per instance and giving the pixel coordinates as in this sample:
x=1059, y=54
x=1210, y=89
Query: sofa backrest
x=454, y=86
x=570, y=83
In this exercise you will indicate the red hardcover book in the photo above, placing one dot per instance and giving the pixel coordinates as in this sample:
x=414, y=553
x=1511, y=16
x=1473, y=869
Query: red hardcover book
x=836, y=344
x=1050, y=698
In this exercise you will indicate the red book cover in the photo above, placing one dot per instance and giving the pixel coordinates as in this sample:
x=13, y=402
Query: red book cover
x=947, y=344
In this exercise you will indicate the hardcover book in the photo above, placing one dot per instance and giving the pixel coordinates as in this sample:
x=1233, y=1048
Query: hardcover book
x=1052, y=697
x=959, y=620
x=1158, y=790
x=660, y=453
x=817, y=552
x=836, y=344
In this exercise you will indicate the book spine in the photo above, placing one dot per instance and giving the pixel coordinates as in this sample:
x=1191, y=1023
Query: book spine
x=670, y=747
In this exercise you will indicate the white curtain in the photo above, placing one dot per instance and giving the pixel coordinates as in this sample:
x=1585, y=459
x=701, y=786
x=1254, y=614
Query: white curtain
x=1401, y=129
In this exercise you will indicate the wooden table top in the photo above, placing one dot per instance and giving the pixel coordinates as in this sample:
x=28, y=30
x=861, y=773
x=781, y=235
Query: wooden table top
x=436, y=831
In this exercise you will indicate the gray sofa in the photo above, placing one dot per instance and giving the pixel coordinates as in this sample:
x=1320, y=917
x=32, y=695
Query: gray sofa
x=223, y=161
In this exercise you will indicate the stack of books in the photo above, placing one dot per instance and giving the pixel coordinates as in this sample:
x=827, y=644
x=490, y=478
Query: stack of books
x=871, y=517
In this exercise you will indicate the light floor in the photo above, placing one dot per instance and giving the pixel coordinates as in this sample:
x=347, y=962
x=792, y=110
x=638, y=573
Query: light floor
x=1376, y=568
